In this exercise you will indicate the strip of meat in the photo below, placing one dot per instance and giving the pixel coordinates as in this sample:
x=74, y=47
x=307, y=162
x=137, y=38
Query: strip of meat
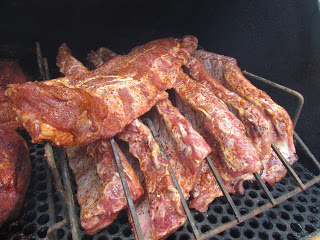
x=67, y=64
x=207, y=188
x=235, y=149
x=98, y=159
x=166, y=214
x=192, y=147
x=184, y=147
x=100, y=193
x=10, y=73
x=257, y=127
x=79, y=109
x=226, y=71
x=98, y=58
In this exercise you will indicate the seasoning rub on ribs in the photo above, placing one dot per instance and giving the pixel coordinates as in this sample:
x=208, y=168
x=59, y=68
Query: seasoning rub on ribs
x=257, y=127
x=161, y=212
x=80, y=108
x=226, y=71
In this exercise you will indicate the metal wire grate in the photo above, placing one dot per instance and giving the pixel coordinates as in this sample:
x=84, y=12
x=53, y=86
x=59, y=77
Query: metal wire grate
x=52, y=213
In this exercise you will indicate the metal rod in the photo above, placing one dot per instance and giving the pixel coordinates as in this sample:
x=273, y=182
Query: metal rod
x=46, y=68
x=264, y=188
x=132, y=209
x=56, y=176
x=285, y=89
x=40, y=61
x=306, y=150
x=287, y=165
x=221, y=183
x=258, y=210
x=224, y=189
x=183, y=201
x=51, y=233
x=51, y=210
x=70, y=198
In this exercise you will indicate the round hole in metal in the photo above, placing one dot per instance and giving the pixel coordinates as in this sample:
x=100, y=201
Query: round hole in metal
x=199, y=217
x=235, y=233
x=254, y=223
x=267, y=225
x=212, y=219
x=281, y=226
x=296, y=227
x=43, y=219
x=249, y=233
x=263, y=235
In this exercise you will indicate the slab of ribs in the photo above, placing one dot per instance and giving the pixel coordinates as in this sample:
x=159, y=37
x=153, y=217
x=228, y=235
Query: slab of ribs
x=211, y=110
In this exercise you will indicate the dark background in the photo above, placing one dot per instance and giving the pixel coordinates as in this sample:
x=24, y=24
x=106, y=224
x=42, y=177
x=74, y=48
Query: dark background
x=278, y=40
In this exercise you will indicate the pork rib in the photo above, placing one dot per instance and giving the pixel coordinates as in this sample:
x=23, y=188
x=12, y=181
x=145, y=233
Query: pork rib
x=190, y=148
x=207, y=188
x=100, y=193
x=226, y=71
x=185, y=148
x=78, y=109
x=235, y=149
x=166, y=213
x=257, y=126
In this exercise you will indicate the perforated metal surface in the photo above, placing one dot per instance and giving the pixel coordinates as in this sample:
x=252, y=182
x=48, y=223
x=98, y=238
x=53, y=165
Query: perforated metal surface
x=293, y=219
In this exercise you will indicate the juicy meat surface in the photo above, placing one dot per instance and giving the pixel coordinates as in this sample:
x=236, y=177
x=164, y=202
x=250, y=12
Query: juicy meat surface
x=97, y=161
x=160, y=213
x=80, y=108
x=185, y=148
x=226, y=71
x=257, y=126
x=67, y=64
x=100, y=193
x=98, y=58
x=10, y=72
x=15, y=173
x=235, y=149
x=207, y=188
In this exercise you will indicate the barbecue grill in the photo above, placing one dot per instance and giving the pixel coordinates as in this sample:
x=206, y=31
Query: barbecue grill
x=288, y=210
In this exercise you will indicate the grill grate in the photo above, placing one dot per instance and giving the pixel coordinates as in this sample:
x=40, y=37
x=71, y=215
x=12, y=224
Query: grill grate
x=49, y=210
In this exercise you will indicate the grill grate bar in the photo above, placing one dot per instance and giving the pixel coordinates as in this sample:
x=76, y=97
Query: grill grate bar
x=259, y=210
x=289, y=168
x=221, y=184
x=70, y=202
x=285, y=89
x=124, y=182
x=306, y=149
x=224, y=189
x=183, y=201
x=43, y=67
x=264, y=188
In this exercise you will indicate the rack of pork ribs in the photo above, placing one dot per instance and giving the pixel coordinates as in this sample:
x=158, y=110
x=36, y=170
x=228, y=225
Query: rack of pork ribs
x=161, y=132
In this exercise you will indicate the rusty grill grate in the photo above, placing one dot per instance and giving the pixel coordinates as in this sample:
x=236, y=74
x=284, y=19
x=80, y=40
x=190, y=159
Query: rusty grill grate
x=288, y=210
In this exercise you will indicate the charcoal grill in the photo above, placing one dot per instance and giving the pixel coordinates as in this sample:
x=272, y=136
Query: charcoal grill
x=276, y=39
x=288, y=210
